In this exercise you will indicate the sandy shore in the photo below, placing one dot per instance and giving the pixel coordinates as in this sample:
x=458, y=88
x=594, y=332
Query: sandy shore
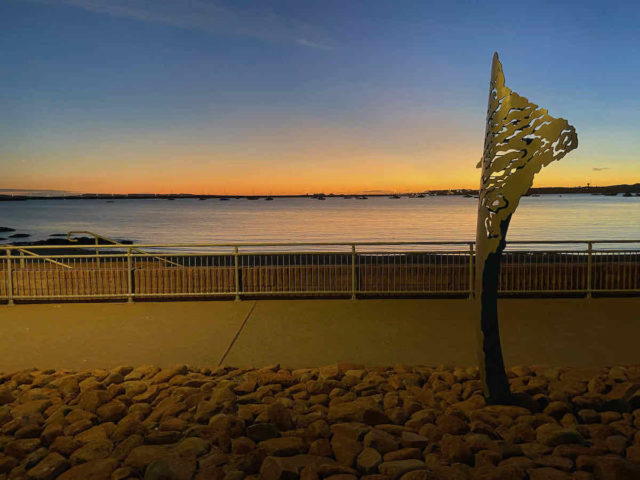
x=338, y=422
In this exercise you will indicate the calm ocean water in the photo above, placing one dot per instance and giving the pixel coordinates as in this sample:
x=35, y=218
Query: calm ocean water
x=548, y=217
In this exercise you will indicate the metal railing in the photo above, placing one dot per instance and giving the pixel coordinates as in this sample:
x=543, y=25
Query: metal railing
x=394, y=269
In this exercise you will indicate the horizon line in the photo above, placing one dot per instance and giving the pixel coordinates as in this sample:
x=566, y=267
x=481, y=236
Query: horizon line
x=60, y=192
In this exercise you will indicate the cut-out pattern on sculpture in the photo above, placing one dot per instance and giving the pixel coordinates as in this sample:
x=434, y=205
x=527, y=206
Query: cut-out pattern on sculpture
x=520, y=139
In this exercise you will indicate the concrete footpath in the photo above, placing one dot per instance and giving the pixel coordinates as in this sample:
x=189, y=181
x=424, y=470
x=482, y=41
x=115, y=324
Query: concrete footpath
x=303, y=333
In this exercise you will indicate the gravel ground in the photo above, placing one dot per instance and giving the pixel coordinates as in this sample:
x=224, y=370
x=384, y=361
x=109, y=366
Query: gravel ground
x=338, y=422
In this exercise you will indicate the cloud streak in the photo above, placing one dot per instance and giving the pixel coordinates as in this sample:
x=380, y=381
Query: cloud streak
x=206, y=16
x=600, y=169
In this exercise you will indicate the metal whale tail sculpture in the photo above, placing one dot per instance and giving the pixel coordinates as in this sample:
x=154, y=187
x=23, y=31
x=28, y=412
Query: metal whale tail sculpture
x=520, y=139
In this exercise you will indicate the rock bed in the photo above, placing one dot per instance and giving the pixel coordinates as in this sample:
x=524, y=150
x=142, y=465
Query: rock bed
x=338, y=422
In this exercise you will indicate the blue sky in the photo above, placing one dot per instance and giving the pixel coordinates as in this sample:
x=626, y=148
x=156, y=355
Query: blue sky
x=296, y=95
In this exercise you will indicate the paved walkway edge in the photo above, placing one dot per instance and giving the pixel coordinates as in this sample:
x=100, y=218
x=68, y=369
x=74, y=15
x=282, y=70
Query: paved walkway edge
x=306, y=333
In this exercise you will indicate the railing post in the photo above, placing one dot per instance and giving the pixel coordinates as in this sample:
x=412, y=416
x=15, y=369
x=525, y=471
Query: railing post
x=589, y=267
x=129, y=276
x=9, y=279
x=237, y=272
x=21, y=259
x=98, y=253
x=471, y=272
x=353, y=272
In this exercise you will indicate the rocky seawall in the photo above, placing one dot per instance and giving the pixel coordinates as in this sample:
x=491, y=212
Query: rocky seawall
x=338, y=422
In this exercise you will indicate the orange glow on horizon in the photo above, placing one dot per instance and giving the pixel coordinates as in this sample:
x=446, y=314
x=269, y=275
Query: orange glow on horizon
x=260, y=182
x=418, y=154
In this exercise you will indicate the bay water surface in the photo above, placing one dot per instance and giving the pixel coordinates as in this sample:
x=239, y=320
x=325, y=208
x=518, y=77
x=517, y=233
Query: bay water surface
x=382, y=219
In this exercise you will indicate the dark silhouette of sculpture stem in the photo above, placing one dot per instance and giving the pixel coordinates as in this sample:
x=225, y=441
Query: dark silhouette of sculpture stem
x=520, y=139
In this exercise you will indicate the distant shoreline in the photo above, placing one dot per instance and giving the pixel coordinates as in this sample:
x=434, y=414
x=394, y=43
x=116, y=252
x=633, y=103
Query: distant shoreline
x=606, y=190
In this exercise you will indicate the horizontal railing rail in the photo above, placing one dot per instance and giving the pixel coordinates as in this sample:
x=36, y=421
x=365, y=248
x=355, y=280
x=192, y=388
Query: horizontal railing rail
x=311, y=269
x=303, y=244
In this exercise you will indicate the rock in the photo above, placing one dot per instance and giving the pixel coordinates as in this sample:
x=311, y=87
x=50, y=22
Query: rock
x=582, y=476
x=223, y=396
x=192, y=446
x=166, y=374
x=485, y=458
x=618, y=374
x=328, y=469
x=589, y=415
x=65, y=445
x=374, y=416
x=320, y=447
x=91, y=451
x=127, y=426
x=160, y=437
x=452, y=424
x=90, y=400
x=93, y=434
x=229, y=424
x=418, y=475
x=279, y=416
x=370, y=419
x=7, y=463
x=557, y=462
x=94, y=470
x=234, y=475
x=285, y=468
x=553, y=435
x=49, y=467
x=144, y=371
x=259, y=432
x=124, y=448
x=455, y=449
x=268, y=378
x=403, y=454
x=50, y=433
x=6, y=396
x=123, y=473
x=345, y=412
x=173, y=467
x=318, y=429
x=507, y=410
x=77, y=427
x=283, y=446
x=242, y=445
x=353, y=430
x=547, y=473
x=615, y=468
x=557, y=409
x=572, y=451
x=633, y=453
x=78, y=414
x=616, y=444
x=368, y=460
x=112, y=411
x=396, y=469
x=30, y=430
x=419, y=418
x=411, y=440
x=143, y=455
x=21, y=448
x=382, y=441
x=345, y=449
x=30, y=408
x=35, y=457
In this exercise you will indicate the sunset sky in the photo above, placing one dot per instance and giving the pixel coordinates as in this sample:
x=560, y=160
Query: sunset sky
x=207, y=96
